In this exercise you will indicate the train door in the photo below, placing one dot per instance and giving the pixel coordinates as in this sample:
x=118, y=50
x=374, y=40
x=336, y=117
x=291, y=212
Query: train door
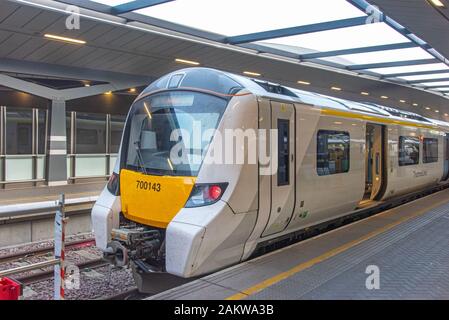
x=284, y=180
x=374, y=158
x=446, y=157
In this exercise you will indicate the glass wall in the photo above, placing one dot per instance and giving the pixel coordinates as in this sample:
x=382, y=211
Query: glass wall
x=23, y=144
x=93, y=141
x=90, y=133
x=19, y=130
x=117, y=125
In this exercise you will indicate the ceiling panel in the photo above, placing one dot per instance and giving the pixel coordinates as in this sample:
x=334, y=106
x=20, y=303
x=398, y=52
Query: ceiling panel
x=11, y=43
x=21, y=17
x=26, y=49
x=120, y=49
x=42, y=21
x=6, y=9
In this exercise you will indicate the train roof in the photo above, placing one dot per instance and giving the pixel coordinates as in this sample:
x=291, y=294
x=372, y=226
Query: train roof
x=228, y=83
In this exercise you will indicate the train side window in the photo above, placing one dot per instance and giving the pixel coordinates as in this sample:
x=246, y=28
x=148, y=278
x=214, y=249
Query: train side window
x=408, y=151
x=332, y=152
x=283, y=152
x=430, y=150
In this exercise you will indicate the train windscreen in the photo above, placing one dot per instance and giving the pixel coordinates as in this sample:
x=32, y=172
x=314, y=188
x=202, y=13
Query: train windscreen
x=169, y=133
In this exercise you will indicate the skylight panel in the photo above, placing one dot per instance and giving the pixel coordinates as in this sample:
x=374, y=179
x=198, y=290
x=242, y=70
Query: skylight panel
x=112, y=3
x=438, y=83
x=237, y=17
x=426, y=77
x=368, y=35
x=381, y=56
x=415, y=68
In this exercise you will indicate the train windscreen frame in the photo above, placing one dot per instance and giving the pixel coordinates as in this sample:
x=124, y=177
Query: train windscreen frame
x=163, y=129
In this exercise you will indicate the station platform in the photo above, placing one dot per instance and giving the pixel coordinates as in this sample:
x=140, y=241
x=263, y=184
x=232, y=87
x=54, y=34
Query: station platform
x=16, y=229
x=46, y=193
x=407, y=245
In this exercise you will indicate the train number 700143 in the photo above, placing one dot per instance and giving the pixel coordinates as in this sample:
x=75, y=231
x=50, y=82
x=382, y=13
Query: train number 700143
x=145, y=185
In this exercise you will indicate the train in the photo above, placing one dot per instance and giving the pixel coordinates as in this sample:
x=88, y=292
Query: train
x=327, y=158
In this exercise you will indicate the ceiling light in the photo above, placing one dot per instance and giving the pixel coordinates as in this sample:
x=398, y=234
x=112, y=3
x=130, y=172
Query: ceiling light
x=190, y=62
x=415, y=104
x=304, y=82
x=87, y=85
x=336, y=88
x=437, y=3
x=402, y=101
x=132, y=90
x=65, y=39
x=427, y=108
x=250, y=73
x=363, y=93
x=437, y=111
x=384, y=97
x=338, y=122
x=108, y=93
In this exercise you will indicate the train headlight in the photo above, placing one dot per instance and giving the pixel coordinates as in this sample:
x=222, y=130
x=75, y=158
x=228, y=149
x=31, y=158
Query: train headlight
x=205, y=194
x=114, y=185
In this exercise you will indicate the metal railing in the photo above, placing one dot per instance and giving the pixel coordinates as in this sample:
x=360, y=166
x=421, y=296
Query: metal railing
x=13, y=210
x=58, y=261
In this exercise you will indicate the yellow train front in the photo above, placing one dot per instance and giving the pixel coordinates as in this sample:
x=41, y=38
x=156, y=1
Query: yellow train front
x=193, y=190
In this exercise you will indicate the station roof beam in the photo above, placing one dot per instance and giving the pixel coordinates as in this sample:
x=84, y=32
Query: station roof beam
x=136, y=5
x=293, y=31
x=428, y=80
x=333, y=53
x=392, y=64
x=415, y=73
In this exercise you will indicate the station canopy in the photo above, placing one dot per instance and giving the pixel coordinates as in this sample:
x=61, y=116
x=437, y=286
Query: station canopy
x=345, y=34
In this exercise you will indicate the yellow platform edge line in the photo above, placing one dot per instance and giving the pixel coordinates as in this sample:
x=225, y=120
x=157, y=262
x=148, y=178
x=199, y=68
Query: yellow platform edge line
x=305, y=265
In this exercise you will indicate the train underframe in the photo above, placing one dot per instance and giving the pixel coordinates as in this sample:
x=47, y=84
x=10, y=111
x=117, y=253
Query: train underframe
x=143, y=249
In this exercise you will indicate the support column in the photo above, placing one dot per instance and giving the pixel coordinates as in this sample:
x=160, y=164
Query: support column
x=57, y=145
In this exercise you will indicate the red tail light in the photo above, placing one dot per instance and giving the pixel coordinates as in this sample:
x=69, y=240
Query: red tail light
x=206, y=194
x=215, y=192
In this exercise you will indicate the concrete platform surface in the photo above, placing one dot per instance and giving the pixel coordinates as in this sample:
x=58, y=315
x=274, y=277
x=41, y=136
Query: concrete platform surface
x=402, y=253
x=45, y=193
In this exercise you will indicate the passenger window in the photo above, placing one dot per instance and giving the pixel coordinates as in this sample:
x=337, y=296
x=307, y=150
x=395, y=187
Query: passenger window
x=283, y=152
x=430, y=149
x=408, y=151
x=332, y=152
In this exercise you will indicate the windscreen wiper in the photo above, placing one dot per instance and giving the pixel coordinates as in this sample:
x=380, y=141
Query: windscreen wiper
x=140, y=157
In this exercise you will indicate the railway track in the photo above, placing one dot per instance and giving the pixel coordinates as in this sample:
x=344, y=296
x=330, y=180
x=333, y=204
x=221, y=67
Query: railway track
x=45, y=250
x=48, y=274
x=125, y=295
x=130, y=294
